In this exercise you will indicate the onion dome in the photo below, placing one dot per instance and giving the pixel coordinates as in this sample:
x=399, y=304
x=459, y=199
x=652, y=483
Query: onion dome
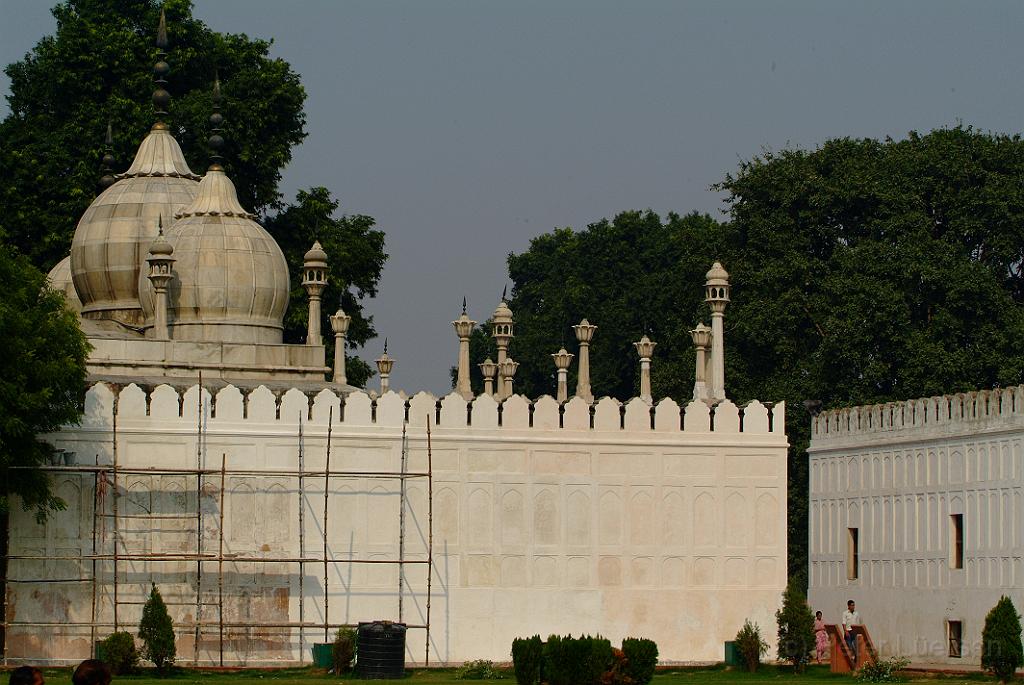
x=716, y=275
x=232, y=280
x=315, y=257
x=502, y=314
x=59, y=279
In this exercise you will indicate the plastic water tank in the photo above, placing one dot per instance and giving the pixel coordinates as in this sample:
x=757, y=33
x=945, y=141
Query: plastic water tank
x=381, y=651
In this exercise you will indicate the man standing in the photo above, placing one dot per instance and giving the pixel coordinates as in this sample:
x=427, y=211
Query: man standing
x=850, y=619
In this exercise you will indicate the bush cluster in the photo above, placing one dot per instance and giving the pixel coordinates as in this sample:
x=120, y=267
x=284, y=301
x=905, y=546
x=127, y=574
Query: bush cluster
x=584, y=660
x=481, y=669
x=883, y=670
x=343, y=650
x=750, y=645
x=118, y=651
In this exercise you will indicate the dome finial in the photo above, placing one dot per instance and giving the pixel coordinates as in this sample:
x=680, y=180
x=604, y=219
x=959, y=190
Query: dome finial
x=385, y=345
x=216, y=140
x=161, y=98
x=463, y=304
x=504, y=292
x=107, y=179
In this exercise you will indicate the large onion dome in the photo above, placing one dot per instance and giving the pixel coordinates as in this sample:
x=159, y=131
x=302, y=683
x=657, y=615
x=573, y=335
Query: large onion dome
x=59, y=278
x=113, y=236
x=231, y=280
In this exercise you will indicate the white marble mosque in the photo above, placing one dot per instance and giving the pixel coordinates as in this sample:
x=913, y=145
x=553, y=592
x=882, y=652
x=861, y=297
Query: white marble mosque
x=266, y=500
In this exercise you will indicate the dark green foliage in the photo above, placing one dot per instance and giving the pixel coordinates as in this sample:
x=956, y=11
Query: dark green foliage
x=355, y=259
x=343, y=650
x=641, y=658
x=117, y=651
x=750, y=645
x=527, y=653
x=42, y=379
x=618, y=672
x=576, y=661
x=157, y=632
x=796, y=628
x=1001, y=650
x=481, y=669
x=864, y=271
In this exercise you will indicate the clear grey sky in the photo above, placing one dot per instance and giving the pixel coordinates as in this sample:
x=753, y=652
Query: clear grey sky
x=468, y=127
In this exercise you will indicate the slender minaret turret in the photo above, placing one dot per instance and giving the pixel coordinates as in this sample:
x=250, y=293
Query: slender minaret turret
x=339, y=324
x=502, y=331
x=487, y=369
x=645, y=348
x=384, y=366
x=161, y=267
x=701, y=341
x=717, y=297
x=584, y=334
x=108, y=179
x=562, y=361
x=314, y=280
x=507, y=370
x=464, y=329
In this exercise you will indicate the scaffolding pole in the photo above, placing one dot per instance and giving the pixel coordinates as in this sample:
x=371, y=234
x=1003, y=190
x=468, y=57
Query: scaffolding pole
x=220, y=555
x=302, y=550
x=327, y=485
x=430, y=538
x=199, y=521
x=401, y=524
x=116, y=537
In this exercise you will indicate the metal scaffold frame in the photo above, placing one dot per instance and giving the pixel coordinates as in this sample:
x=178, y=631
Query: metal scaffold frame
x=109, y=475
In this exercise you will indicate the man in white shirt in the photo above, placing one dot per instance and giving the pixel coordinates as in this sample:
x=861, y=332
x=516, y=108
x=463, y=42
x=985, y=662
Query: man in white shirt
x=850, y=619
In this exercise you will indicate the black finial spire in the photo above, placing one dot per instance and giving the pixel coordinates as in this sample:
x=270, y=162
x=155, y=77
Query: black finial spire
x=160, y=225
x=107, y=179
x=504, y=292
x=161, y=98
x=463, y=304
x=385, y=345
x=216, y=140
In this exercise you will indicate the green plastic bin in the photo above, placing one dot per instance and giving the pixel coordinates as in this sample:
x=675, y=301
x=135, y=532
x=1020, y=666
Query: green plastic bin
x=323, y=655
x=732, y=655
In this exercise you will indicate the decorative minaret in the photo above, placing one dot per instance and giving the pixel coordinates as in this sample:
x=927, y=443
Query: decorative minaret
x=502, y=330
x=161, y=98
x=645, y=348
x=562, y=361
x=463, y=329
x=384, y=366
x=701, y=341
x=108, y=179
x=339, y=324
x=584, y=334
x=717, y=296
x=507, y=369
x=314, y=280
x=161, y=266
x=487, y=370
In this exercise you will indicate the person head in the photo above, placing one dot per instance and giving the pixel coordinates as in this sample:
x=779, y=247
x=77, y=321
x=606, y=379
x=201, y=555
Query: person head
x=27, y=675
x=850, y=606
x=817, y=615
x=91, y=672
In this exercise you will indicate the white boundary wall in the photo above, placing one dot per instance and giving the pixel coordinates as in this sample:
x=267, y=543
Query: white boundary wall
x=897, y=472
x=675, y=532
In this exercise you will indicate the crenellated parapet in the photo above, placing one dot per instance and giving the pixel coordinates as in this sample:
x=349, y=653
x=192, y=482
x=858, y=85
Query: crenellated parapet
x=231, y=404
x=945, y=414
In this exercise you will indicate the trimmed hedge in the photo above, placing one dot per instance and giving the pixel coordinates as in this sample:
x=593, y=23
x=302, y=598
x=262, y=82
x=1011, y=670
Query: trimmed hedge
x=641, y=658
x=576, y=661
x=527, y=654
x=584, y=660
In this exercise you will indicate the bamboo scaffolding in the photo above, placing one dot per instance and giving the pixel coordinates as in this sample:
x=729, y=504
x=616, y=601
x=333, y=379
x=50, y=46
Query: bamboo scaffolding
x=327, y=486
x=302, y=551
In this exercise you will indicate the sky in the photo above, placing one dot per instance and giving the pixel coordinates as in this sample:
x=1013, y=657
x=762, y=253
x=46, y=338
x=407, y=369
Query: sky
x=468, y=127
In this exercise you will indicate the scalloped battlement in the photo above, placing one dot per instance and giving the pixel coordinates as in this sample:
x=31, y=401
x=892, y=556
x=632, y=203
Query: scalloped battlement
x=230, y=404
x=946, y=413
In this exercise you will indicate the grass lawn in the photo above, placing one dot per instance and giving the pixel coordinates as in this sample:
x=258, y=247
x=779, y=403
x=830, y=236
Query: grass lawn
x=446, y=676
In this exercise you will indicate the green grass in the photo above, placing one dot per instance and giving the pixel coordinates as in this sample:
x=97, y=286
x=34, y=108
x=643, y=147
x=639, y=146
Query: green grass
x=446, y=676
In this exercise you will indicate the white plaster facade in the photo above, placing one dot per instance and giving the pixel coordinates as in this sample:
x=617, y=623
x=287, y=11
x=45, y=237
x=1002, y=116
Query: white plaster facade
x=647, y=523
x=899, y=474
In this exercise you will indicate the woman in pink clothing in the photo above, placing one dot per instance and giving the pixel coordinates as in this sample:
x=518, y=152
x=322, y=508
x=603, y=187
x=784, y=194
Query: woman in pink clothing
x=820, y=636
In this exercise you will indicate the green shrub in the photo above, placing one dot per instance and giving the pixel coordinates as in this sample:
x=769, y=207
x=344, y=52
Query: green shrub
x=1001, y=651
x=481, y=669
x=157, y=632
x=641, y=657
x=616, y=673
x=576, y=661
x=527, y=653
x=750, y=645
x=883, y=670
x=796, y=628
x=118, y=651
x=343, y=650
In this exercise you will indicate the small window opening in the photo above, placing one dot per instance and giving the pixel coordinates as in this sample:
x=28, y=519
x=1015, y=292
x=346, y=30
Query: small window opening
x=852, y=554
x=956, y=542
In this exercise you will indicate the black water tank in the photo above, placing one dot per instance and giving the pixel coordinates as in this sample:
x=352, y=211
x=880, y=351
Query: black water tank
x=381, y=651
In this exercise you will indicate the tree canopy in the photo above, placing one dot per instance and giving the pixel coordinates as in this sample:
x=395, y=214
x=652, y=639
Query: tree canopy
x=863, y=271
x=98, y=67
x=42, y=379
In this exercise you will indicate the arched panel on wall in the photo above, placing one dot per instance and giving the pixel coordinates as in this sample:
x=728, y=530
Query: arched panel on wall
x=766, y=516
x=876, y=473
x=737, y=520
x=163, y=402
x=343, y=530
x=705, y=520
x=546, y=522
x=326, y=407
x=478, y=519
x=416, y=520
x=956, y=467
x=513, y=519
x=241, y=514
x=673, y=519
x=673, y=572
x=422, y=406
x=381, y=511
x=446, y=517
x=294, y=407
x=131, y=402
x=67, y=524
x=853, y=473
x=578, y=518
x=610, y=518
x=641, y=519
x=358, y=409
x=703, y=571
x=276, y=514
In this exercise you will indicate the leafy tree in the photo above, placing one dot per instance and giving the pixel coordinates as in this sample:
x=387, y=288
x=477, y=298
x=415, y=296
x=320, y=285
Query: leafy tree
x=1001, y=650
x=355, y=260
x=750, y=645
x=42, y=379
x=157, y=632
x=863, y=271
x=796, y=628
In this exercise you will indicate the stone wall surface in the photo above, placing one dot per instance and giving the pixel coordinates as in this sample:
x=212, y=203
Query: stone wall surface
x=664, y=522
x=898, y=473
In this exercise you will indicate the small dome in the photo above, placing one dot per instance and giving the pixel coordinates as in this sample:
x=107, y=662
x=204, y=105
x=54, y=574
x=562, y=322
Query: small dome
x=232, y=279
x=161, y=247
x=502, y=314
x=316, y=257
x=59, y=278
x=717, y=275
x=114, y=234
